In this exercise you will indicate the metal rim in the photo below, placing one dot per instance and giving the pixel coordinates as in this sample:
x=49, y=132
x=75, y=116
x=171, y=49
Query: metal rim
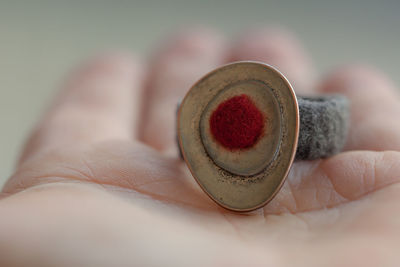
x=238, y=192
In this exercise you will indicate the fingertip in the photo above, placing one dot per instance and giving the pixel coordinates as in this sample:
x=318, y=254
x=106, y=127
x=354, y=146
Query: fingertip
x=356, y=79
x=99, y=76
x=252, y=43
x=280, y=48
x=183, y=53
x=190, y=41
x=199, y=38
x=109, y=63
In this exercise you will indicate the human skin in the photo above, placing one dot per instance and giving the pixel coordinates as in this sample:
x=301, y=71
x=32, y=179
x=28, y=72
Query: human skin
x=99, y=182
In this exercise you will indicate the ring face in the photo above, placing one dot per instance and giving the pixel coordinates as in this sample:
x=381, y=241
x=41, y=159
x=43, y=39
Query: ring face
x=238, y=129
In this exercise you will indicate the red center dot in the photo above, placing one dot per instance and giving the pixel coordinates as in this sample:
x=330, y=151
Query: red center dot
x=237, y=123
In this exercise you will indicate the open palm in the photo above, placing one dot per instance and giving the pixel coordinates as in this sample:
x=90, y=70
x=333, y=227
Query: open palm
x=100, y=183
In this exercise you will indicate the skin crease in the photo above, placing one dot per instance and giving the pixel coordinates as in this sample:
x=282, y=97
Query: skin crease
x=99, y=182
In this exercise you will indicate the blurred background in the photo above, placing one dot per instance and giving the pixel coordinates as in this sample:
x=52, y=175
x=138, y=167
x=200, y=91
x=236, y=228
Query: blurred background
x=41, y=41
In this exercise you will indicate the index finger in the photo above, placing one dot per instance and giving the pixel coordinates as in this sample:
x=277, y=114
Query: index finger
x=99, y=102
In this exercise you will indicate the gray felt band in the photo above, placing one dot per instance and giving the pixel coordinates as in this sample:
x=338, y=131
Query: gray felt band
x=324, y=123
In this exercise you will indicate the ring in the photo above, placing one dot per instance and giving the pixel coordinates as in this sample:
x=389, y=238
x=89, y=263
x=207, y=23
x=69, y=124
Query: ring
x=241, y=126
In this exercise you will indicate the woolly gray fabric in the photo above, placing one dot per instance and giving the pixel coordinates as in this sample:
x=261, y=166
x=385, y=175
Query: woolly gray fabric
x=324, y=123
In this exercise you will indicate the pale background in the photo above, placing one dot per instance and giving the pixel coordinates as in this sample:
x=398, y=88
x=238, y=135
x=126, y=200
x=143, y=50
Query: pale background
x=40, y=41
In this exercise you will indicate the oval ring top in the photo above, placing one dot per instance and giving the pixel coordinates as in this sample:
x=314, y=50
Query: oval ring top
x=240, y=178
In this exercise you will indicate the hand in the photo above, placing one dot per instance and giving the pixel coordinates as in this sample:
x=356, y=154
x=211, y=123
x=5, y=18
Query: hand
x=100, y=184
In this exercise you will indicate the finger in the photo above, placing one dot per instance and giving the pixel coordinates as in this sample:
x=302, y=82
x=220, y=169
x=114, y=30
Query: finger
x=99, y=102
x=326, y=183
x=182, y=62
x=375, y=107
x=280, y=49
